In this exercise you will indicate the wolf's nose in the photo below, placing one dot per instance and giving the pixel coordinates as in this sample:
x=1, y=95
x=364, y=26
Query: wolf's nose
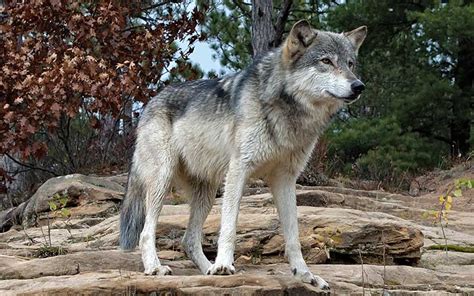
x=357, y=87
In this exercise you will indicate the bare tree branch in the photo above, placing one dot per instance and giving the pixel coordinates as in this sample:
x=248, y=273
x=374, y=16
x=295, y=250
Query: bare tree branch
x=29, y=165
x=159, y=4
x=281, y=21
x=241, y=5
x=64, y=137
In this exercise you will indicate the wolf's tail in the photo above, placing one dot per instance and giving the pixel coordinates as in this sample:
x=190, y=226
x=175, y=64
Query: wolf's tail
x=132, y=213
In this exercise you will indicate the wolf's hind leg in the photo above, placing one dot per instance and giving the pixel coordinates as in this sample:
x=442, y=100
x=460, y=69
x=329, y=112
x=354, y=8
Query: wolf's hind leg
x=202, y=198
x=156, y=169
x=283, y=189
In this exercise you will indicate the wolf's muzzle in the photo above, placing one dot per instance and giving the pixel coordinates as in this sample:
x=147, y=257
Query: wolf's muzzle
x=357, y=87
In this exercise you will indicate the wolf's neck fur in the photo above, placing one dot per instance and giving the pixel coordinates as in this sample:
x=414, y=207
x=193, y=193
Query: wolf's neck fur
x=311, y=114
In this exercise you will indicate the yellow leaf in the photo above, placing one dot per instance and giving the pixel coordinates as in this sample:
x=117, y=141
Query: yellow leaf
x=441, y=199
x=447, y=206
x=458, y=192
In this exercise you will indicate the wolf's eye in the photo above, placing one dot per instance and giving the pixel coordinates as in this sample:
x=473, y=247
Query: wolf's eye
x=351, y=64
x=326, y=61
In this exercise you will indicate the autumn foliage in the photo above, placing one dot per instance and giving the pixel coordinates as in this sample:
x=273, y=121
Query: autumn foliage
x=62, y=59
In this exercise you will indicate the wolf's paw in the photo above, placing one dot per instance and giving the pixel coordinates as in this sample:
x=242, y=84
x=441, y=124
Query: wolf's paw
x=308, y=277
x=159, y=270
x=220, y=269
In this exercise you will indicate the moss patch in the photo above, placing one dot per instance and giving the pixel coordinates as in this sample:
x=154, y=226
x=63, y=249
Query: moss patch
x=465, y=249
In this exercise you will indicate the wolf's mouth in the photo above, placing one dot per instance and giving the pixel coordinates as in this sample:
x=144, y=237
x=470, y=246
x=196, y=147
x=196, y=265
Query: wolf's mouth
x=348, y=100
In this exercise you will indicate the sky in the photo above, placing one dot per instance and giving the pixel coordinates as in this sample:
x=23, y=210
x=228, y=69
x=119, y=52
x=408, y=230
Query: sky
x=202, y=55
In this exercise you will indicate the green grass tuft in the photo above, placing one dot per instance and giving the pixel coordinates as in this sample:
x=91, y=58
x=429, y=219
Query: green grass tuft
x=48, y=251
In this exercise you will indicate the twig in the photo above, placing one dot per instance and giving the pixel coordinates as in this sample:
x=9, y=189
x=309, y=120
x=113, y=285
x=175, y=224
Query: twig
x=114, y=130
x=27, y=236
x=441, y=211
x=242, y=8
x=49, y=231
x=158, y=5
x=362, y=271
x=384, y=264
x=444, y=236
x=29, y=165
x=44, y=236
x=64, y=137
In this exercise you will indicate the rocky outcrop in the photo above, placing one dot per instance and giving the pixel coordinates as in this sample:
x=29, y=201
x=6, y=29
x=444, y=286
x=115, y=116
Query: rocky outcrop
x=338, y=235
x=101, y=194
x=360, y=241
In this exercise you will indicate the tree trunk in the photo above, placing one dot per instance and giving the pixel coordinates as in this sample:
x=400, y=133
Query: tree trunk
x=263, y=32
x=461, y=124
x=128, y=116
x=462, y=105
x=281, y=21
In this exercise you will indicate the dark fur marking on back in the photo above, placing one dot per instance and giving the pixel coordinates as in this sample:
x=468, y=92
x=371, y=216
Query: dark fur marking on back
x=175, y=108
x=177, y=99
x=221, y=93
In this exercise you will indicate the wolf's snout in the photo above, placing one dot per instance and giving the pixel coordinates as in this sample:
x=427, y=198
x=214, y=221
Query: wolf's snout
x=357, y=87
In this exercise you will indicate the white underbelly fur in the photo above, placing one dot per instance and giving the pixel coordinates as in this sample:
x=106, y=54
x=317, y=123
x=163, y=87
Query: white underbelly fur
x=205, y=146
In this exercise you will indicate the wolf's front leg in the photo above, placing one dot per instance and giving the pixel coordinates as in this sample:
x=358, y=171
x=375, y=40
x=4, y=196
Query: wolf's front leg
x=234, y=184
x=284, y=195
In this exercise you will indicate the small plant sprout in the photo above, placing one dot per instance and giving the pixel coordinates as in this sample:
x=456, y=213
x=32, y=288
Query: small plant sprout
x=57, y=204
x=446, y=203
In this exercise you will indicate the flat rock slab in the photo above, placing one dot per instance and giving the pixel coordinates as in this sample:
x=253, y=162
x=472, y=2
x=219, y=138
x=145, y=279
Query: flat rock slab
x=12, y=267
x=435, y=259
x=115, y=283
x=272, y=279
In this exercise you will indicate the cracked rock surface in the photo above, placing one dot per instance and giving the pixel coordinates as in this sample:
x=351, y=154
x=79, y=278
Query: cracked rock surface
x=359, y=241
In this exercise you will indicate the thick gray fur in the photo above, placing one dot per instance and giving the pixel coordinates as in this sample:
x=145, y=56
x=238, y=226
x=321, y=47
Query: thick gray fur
x=262, y=122
x=132, y=215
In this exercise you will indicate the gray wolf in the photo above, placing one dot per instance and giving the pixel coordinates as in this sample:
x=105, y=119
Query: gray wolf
x=263, y=122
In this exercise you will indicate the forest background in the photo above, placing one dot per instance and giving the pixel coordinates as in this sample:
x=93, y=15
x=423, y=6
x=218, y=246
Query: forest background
x=75, y=76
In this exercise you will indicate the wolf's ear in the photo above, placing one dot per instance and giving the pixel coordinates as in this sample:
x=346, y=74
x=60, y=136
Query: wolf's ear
x=301, y=36
x=357, y=36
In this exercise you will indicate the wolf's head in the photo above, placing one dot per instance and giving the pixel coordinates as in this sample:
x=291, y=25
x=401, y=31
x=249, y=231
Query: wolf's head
x=321, y=65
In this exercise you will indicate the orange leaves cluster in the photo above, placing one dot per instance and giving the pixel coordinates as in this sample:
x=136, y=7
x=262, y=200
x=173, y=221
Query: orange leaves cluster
x=62, y=57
